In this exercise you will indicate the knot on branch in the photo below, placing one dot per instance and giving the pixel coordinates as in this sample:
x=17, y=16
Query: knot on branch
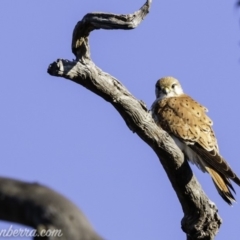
x=80, y=46
x=203, y=224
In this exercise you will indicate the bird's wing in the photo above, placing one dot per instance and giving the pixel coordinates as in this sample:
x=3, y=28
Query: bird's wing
x=186, y=119
x=216, y=162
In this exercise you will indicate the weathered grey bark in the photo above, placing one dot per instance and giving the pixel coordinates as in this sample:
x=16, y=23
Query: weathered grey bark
x=201, y=219
x=42, y=208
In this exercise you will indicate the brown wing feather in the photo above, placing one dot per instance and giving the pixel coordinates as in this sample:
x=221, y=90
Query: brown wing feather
x=217, y=162
x=186, y=119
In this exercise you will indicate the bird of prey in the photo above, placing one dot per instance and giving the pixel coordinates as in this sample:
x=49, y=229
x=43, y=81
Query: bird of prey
x=191, y=129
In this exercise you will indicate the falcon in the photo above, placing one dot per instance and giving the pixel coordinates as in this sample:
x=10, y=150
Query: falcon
x=191, y=129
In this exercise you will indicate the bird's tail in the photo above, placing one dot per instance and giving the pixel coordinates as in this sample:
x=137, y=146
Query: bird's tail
x=223, y=185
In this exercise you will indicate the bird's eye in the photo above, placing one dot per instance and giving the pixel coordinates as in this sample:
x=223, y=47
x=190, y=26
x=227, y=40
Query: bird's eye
x=174, y=85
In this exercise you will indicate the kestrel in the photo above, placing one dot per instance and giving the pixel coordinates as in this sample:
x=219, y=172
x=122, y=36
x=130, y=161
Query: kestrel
x=191, y=129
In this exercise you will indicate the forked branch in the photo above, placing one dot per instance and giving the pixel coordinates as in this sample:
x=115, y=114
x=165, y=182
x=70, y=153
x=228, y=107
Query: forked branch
x=201, y=219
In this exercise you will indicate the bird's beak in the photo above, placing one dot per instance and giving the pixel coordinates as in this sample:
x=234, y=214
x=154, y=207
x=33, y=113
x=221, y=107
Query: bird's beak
x=166, y=90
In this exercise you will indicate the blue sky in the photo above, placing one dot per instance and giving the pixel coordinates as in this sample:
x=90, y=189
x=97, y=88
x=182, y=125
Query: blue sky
x=57, y=133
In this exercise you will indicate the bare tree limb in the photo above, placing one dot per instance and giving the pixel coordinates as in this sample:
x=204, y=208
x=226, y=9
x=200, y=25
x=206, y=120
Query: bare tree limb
x=94, y=21
x=43, y=209
x=201, y=219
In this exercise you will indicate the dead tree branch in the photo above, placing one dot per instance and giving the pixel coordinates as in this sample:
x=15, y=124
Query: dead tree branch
x=94, y=21
x=43, y=209
x=201, y=219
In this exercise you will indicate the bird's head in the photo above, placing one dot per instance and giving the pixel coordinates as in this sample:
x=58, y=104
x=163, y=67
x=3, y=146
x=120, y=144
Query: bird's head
x=167, y=87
